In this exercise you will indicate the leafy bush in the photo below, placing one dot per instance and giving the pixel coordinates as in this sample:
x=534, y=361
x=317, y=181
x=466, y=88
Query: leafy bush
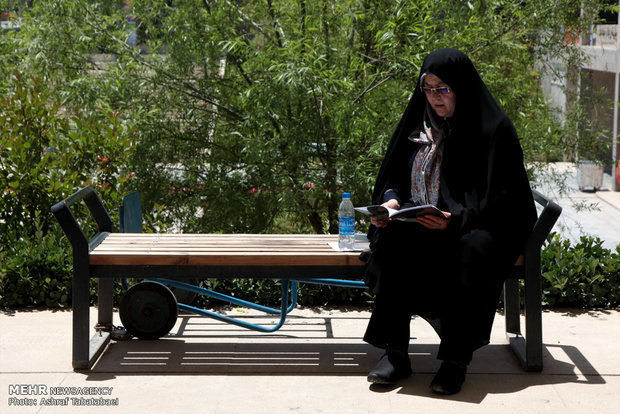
x=47, y=152
x=583, y=275
x=36, y=272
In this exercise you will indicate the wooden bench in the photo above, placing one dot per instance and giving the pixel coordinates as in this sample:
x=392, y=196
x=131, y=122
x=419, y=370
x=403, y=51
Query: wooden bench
x=109, y=255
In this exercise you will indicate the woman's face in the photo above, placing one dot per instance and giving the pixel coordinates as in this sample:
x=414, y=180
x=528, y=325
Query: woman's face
x=442, y=101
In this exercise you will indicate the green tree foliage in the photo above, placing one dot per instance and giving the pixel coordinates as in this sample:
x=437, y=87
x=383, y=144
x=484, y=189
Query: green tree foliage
x=254, y=116
x=45, y=155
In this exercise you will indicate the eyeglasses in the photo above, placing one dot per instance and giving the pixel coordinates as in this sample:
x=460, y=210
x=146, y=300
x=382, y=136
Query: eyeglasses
x=436, y=91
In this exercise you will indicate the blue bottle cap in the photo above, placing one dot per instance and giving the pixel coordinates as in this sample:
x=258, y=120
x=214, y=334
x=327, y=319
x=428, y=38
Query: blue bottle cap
x=346, y=195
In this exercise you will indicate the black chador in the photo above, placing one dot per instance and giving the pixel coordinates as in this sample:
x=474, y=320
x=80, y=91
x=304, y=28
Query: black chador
x=453, y=277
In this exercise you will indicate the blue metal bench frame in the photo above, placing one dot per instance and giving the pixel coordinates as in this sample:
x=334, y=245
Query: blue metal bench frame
x=527, y=348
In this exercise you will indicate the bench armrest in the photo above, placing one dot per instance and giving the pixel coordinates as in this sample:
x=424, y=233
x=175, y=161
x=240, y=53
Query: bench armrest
x=546, y=220
x=70, y=226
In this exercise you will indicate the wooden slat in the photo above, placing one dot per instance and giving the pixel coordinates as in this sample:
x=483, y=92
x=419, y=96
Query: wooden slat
x=220, y=250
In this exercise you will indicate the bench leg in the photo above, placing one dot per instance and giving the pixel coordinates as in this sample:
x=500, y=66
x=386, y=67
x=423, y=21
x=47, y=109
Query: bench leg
x=533, y=315
x=512, y=311
x=81, y=317
x=105, y=301
x=86, y=350
x=512, y=306
x=528, y=347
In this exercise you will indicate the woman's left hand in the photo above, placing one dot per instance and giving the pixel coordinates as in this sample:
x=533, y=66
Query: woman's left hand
x=433, y=222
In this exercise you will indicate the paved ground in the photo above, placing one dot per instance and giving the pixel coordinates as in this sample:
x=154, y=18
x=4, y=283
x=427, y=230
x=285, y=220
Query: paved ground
x=317, y=363
x=588, y=212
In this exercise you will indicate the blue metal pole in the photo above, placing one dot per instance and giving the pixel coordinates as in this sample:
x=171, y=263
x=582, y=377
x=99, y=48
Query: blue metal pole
x=336, y=282
x=227, y=298
x=243, y=324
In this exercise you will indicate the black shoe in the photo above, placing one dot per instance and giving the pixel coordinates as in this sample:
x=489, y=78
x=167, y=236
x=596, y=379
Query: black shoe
x=449, y=378
x=392, y=366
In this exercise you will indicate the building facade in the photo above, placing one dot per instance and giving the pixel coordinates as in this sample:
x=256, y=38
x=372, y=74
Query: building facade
x=600, y=76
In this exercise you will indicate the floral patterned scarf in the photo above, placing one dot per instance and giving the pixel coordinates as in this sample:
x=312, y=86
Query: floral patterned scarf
x=427, y=162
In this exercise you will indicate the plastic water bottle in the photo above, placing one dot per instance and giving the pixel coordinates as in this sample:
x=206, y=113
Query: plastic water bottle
x=346, y=221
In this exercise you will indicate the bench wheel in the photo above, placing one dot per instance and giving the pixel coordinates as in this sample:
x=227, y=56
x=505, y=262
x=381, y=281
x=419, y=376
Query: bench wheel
x=148, y=310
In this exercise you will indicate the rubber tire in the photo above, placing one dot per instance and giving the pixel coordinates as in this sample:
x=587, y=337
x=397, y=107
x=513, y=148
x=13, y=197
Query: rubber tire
x=148, y=310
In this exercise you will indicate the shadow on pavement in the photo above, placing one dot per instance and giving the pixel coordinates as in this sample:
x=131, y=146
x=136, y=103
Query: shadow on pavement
x=480, y=384
x=206, y=350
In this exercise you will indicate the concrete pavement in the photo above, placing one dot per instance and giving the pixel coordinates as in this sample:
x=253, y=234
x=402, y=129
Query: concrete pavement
x=589, y=213
x=317, y=363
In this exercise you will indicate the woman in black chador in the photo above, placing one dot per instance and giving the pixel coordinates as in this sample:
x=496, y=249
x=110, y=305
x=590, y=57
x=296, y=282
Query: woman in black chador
x=454, y=148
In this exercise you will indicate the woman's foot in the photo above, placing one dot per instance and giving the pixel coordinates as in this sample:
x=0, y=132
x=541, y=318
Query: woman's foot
x=449, y=378
x=392, y=366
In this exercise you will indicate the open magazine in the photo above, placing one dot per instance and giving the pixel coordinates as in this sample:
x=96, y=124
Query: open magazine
x=406, y=213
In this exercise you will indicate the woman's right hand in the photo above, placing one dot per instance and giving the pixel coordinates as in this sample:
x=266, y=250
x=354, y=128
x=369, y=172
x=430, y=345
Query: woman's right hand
x=393, y=204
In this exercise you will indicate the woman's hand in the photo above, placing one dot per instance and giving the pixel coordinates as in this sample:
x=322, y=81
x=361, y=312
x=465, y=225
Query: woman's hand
x=393, y=204
x=433, y=222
